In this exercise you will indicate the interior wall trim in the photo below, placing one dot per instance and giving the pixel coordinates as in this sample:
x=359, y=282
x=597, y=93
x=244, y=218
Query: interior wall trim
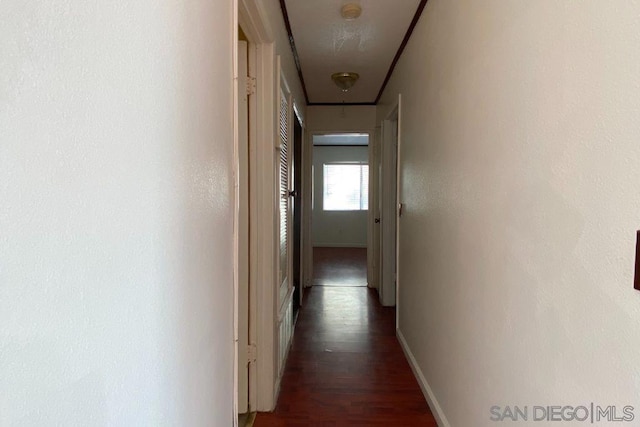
x=292, y=43
x=436, y=409
x=407, y=36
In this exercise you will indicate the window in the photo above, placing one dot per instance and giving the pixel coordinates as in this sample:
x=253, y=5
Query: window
x=346, y=187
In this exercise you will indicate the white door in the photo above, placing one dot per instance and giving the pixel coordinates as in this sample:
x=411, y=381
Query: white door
x=389, y=209
x=243, y=230
x=374, y=217
x=307, y=212
x=284, y=187
x=285, y=220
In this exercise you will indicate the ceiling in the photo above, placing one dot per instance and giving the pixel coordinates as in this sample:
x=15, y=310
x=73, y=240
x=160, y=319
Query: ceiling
x=325, y=43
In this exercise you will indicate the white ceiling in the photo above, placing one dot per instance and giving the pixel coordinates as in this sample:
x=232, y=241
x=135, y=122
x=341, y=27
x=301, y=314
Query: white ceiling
x=327, y=44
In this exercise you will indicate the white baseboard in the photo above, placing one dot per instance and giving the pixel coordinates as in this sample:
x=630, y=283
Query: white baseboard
x=424, y=385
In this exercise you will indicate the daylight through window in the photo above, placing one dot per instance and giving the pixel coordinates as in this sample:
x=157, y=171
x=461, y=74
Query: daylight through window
x=346, y=187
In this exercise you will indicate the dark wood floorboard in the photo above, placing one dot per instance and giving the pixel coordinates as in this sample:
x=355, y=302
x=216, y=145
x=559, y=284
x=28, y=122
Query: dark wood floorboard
x=339, y=266
x=346, y=367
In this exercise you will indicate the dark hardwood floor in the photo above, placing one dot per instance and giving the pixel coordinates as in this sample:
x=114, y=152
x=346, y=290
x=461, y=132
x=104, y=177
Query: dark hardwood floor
x=346, y=367
x=339, y=266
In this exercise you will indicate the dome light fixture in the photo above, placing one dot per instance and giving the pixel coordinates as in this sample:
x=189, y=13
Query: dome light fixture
x=351, y=11
x=344, y=80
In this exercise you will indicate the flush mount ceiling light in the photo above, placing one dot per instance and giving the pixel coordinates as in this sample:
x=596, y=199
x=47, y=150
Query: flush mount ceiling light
x=351, y=11
x=345, y=80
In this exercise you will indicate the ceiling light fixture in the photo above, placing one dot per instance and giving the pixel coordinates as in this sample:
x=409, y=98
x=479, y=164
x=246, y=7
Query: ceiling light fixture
x=345, y=81
x=351, y=11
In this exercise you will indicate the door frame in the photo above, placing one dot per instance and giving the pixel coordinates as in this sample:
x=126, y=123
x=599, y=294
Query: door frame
x=243, y=359
x=253, y=19
x=307, y=202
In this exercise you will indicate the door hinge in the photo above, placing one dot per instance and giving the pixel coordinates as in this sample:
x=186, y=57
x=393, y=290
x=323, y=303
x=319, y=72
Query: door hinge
x=252, y=353
x=251, y=85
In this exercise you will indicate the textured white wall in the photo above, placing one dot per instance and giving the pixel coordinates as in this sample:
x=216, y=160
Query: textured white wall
x=353, y=118
x=116, y=289
x=520, y=176
x=337, y=228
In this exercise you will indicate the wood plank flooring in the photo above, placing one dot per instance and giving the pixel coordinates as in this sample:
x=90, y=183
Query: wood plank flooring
x=346, y=367
x=339, y=266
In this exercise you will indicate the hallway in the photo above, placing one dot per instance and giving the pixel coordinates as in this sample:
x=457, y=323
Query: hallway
x=346, y=366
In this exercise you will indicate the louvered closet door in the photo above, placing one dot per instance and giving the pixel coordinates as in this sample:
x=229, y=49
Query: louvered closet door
x=285, y=210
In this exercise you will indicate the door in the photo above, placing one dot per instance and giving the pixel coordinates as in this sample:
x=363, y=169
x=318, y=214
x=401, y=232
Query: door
x=285, y=280
x=284, y=189
x=297, y=215
x=375, y=215
x=243, y=229
x=389, y=209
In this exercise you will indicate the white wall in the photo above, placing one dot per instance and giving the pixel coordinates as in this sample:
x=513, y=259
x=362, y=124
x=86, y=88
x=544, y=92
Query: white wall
x=350, y=118
x=520, y=171
x=116, y=288
x=346, y=229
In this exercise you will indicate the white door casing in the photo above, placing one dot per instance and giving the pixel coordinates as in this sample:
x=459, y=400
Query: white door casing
x=251, y=154
x=269, y=311
x=253, y=18
x=399, y=205
x=243, y=228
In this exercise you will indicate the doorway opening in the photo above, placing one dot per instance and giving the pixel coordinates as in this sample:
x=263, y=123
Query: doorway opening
x=340, y=208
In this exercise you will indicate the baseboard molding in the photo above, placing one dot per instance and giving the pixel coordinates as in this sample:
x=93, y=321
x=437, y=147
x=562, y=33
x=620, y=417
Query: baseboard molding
x=276, y=394
x=340, y=245
x=424, y=385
